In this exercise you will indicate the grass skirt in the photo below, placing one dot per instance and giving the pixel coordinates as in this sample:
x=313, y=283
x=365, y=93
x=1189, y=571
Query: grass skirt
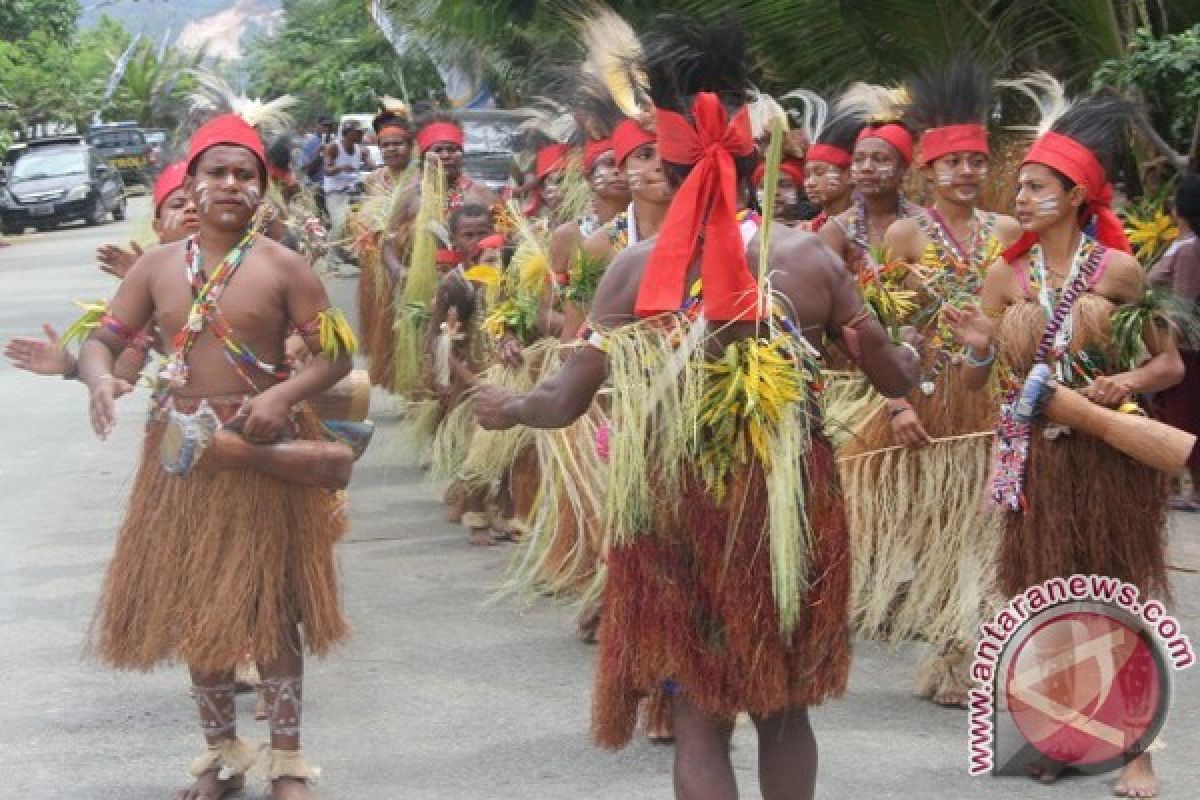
x=208, y=562
x=691, y=602
x=924, y=545
x=376, y=317
x=1089, y=508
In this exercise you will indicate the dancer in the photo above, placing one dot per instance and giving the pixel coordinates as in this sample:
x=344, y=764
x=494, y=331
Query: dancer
x=393, y=131
x=706, y=590
x=1072, y=504
x=827, y=161
x=883, y=151
x=924, y=557
x=208, y=561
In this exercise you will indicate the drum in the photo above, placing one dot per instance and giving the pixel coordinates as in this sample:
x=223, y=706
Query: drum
x=348, y=399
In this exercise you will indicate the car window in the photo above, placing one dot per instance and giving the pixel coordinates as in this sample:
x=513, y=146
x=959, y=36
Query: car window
x=118, y=139
x=40, y=164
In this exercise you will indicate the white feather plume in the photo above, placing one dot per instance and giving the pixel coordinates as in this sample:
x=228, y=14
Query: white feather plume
x=614, y=56
x=1048, y=95
x=215, y=96
x=764, y=109
x=813, y=113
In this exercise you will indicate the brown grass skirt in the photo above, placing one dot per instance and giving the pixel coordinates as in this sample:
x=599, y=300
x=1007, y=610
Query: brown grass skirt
x=205, y=564
x=691, y=602
x=924, y=545
x=376, y=317
x=1090, y=509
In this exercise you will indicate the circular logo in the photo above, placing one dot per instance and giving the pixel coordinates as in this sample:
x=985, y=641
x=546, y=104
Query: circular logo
x=1087, y=687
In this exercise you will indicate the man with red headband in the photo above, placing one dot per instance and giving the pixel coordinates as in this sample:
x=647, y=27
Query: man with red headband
x=394, y=133
x=440, y=137
x=549, y=166
x=827, y=164
x=882, y=154
x=1073, y=504
x=704, y=597
x=209, y=559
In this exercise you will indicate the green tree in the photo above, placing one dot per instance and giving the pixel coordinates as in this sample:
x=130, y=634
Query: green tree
x=152, y=89
x=19, y=19
x=332, y=58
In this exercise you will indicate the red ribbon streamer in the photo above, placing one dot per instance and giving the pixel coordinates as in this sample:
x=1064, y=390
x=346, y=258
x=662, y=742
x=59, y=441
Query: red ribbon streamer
x=703, y=216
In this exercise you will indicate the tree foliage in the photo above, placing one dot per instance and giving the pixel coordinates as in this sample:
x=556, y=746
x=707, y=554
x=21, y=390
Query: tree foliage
x=20, y=19
x=1165, y=73
x=332, y=58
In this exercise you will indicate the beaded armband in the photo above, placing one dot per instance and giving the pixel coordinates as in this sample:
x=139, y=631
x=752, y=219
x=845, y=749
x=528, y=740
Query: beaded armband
x=334, y=332
x=116, y=327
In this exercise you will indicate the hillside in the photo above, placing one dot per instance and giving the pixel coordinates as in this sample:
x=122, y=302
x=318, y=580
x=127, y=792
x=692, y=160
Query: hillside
x=219, y=24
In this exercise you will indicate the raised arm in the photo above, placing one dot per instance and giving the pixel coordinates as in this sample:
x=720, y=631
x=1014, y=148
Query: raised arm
x=566, y=395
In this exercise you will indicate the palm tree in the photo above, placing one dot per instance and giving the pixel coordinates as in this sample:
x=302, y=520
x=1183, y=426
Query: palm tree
x=151, y=88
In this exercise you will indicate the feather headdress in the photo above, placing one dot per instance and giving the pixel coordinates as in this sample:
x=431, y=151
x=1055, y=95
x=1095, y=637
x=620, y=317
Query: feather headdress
x=1048, y=96
x=215, y=96
x=879, y=105
x=615, y=59
x=811, y=116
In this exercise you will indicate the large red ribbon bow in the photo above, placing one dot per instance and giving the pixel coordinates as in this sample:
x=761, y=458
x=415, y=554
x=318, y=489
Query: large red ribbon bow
x=702, y=216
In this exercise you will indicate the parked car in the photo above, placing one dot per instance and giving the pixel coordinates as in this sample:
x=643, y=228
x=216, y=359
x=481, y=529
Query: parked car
x=10, y=158
x=123, y=145
x=157, y=139
x=60, y=180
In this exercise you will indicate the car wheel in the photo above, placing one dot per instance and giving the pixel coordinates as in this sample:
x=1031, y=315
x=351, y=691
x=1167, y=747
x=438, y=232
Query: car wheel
x=11, y=229
x=45, y=226
x=97, y=213
x=119, y=211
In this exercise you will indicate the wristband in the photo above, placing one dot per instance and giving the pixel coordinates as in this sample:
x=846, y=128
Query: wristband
x=986, y=361
x=71, y=373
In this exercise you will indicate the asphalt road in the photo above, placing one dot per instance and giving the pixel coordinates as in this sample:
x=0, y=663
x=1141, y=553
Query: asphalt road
x=440, y=695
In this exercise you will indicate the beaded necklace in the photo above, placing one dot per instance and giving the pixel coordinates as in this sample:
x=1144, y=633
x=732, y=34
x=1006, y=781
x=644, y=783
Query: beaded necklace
x=860, y=232
x=205, y=312
x=1013, y=436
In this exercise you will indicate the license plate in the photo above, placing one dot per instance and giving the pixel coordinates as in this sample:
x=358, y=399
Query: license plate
x=42, y=209
x=129, y=162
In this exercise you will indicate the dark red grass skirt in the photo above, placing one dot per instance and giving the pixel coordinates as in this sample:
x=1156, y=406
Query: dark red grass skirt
x=1179, y=406
x=691, y=602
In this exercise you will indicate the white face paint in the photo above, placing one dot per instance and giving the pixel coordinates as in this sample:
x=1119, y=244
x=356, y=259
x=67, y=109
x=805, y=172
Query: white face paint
x=634, y=178
x=251, y=197
x=1048, y=207
x=833, y=179
x=885, y=171
x=943, y=177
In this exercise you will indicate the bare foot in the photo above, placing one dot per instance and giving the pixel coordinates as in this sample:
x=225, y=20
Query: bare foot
x=1137, y=779
x=209, y=787
x=1046, y=770
x=482, y=537
x=291, y=789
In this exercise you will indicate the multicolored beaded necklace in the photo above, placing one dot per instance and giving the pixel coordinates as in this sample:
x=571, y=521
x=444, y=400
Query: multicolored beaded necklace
x=1013, y=436
x=860, y=233
x=205, y=312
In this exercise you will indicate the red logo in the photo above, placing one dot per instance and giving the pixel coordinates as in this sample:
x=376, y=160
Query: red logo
x=1085, y=687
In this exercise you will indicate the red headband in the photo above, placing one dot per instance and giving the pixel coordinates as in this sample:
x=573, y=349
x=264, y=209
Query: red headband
x=228, y=129
x=593, y=150
x=436, y=132
x=895, y=135
x=627, y=137
x=829, y=154
x=792, y=167
x=1080, y=165
x=551, y=158
x=704, y=209
x=170, y=179
x=937, y=142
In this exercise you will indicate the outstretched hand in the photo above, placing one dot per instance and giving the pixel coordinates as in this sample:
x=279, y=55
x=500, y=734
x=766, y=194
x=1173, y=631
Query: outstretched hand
x=102, y=407
x=39, y=356
x=492, y=409
x=117, y=262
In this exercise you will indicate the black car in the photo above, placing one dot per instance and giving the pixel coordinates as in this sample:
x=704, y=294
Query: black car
x=125, y=148
x=59, y=180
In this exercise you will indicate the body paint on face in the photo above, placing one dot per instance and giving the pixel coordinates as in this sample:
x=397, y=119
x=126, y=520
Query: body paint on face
x=1047, y=207
x=885, y=170
x=251, y=197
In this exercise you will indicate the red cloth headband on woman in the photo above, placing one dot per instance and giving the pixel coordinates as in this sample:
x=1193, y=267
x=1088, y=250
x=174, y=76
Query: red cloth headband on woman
x=937, y=142
x=436, y=132
x=829, y=154
x=895, y=135
x=1080, y=165
x=792, y=167
x=593, y=150
x=394, y=126
x=704, y=210
x=627, y=137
